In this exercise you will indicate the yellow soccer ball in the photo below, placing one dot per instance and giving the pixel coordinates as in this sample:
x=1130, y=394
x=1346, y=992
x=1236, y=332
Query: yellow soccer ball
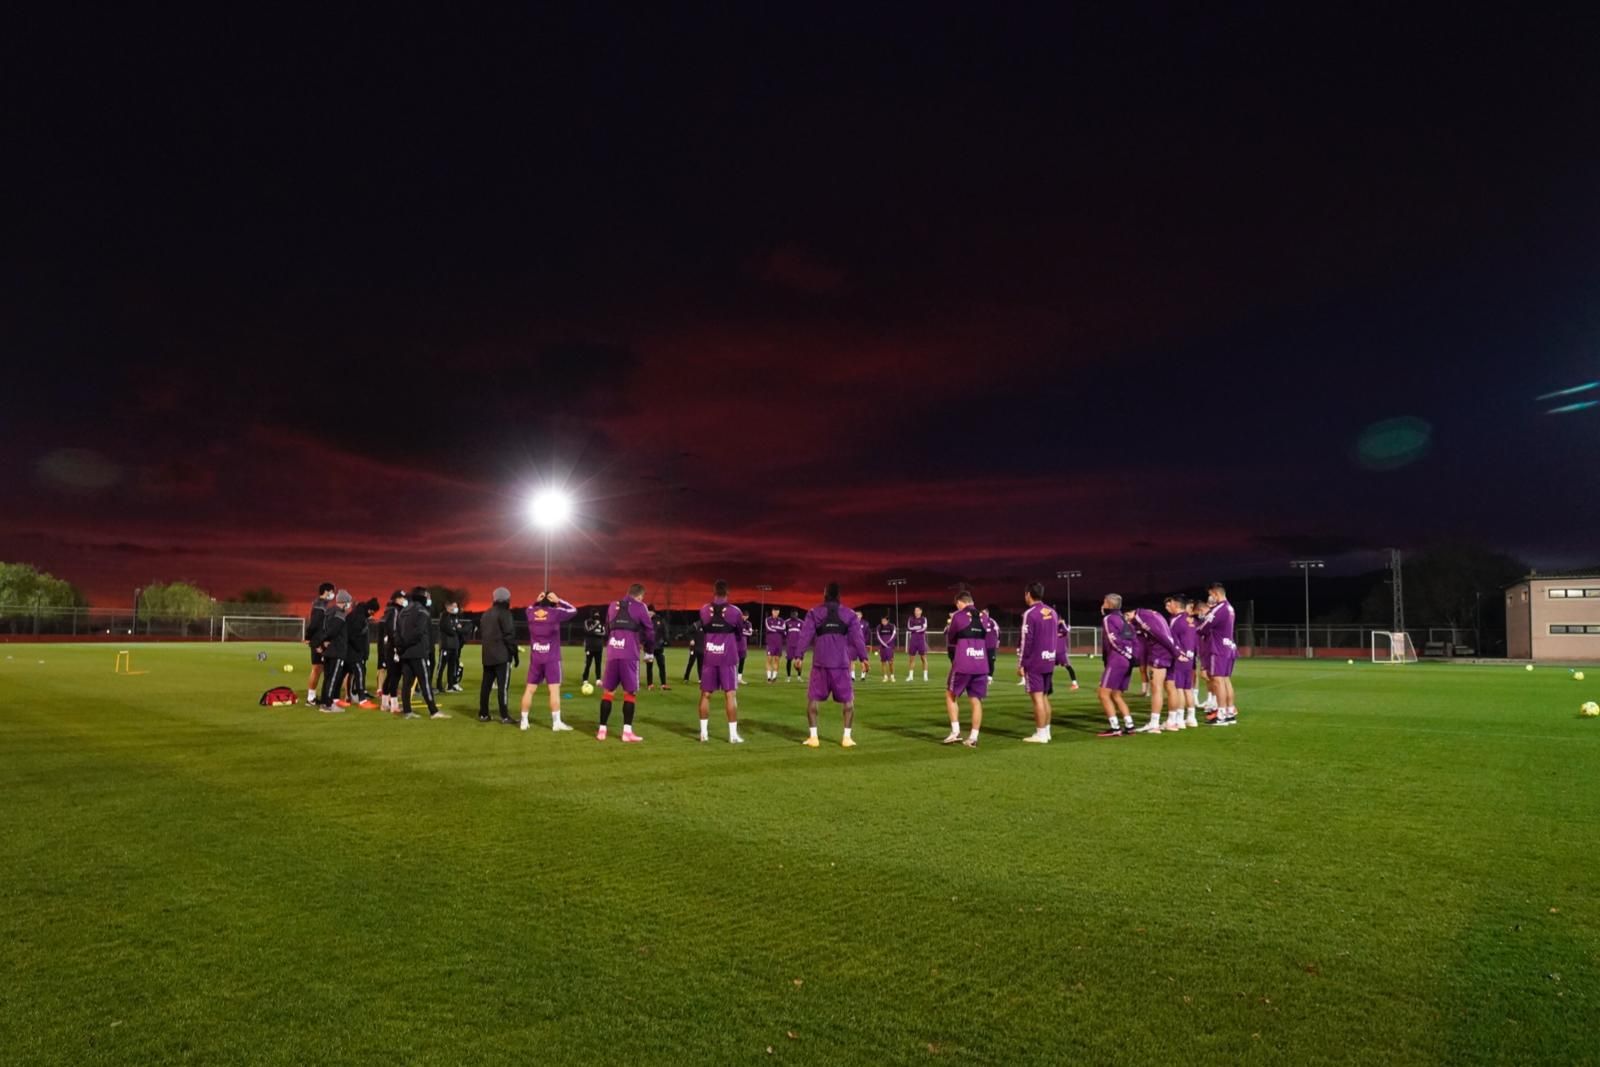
x=288, y=668
x=1528, y=667
x=1578, y=677
x=587, y=689
x=1590, y=709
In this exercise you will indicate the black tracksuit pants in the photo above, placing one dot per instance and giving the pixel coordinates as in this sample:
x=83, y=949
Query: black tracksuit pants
x=414, y=671
x=497, y=677
x=449, y=667
x=591, y=657
x=356, y=671
x=654, y=663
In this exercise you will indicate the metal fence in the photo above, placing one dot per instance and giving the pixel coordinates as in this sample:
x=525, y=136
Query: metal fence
x=1342, y=639
x=31, y=622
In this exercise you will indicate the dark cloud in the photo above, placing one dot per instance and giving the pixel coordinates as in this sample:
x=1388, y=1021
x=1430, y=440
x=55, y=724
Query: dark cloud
x=966, y=302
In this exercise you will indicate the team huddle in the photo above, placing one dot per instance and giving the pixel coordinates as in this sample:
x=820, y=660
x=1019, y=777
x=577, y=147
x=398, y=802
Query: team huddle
x=1171, y=652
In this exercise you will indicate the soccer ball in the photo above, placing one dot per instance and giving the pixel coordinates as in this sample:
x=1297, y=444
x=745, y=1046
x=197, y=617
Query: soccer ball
x=1529, y=667
x=1351, y=662
x=288, y=668
x=1590, y=709
x=587, y=689
x=1578, y=677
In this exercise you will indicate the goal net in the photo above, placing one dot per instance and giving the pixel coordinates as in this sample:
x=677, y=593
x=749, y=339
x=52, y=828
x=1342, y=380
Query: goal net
x=263, y=628
x=1390, y=647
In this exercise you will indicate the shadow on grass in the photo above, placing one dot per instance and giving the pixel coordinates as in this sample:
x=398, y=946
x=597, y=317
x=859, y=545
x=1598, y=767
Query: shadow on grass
x=932, y=736
x=777, y=729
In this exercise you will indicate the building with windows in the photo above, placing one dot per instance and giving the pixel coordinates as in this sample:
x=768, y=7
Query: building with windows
x=1554, y=617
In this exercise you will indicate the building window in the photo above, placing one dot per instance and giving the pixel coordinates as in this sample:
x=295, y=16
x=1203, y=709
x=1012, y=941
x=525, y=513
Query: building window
x=1559, y=628
x=1573, y=594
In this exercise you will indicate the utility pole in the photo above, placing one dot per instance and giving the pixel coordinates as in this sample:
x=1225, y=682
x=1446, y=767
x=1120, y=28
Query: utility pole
x=764, y=590
x=896, y=583
x=1306, y=567
x=1399, y=623
x=1069, y=575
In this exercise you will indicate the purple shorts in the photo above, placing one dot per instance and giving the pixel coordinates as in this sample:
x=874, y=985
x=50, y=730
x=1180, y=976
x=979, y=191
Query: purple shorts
x=885, y=655
x=715, y=678
x=1182, y=674
x=549, y=673
x=917, y=645
x=620, y=674
x=831, y=681
x=1158, y=658
x=1117, y=671
x=975, y=686
x=1221, y=665
x=1038, y=681
x=774, y=644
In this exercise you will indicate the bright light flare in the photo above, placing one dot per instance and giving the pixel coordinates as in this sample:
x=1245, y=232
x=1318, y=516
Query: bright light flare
x=549, y=508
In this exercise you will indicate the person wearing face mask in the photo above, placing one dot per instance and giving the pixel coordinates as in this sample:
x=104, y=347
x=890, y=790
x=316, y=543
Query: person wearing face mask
x=498, y=642
x=449, y=649
x=414, y=638
x=388, y=653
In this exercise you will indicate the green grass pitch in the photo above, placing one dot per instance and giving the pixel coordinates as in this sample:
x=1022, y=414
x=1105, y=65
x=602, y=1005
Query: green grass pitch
x=1378, y=865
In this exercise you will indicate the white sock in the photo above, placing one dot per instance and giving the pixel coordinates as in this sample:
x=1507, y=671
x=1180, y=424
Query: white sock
x=1047, y=729
x=813, y=731
x=955, y=729
x=705, y=728
x=555, y=717
x=1127, y=721
x=311, y=696
x=924, y=676
x=1113, y=722
x=973, y=735
x=847, y=731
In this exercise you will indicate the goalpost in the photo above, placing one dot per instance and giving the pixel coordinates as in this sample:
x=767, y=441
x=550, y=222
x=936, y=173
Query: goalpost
x=1392, y=647
x=263, y=628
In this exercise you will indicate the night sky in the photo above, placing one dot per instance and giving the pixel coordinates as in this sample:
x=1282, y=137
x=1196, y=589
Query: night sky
x=965, y=296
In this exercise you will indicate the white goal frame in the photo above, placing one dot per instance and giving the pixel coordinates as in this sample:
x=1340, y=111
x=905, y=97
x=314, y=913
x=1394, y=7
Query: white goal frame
x=298, y=622
x=1392, y=647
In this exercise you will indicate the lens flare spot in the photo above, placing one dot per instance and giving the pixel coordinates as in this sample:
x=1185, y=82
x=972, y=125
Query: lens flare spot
x=1393, y=443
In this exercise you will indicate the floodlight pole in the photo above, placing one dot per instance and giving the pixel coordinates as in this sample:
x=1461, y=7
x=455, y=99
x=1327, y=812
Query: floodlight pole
x=895, y=584
x=764, y=590
x=1069, y=575
x=1306, y=566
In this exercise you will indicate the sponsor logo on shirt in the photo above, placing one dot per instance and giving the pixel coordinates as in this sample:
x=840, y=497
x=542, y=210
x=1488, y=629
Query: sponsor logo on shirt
x=538, y=647
x=977, y=653
x=1048, y=655
x=617, y=642
x=716, y=649
x=540, y=614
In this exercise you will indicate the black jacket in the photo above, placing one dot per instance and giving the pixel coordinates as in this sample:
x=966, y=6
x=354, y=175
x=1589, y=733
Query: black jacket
x=499, y=636
x=334, y=640
x=386, y=629
x=315, y=620
x=660, y=622
x=594, y=633
x=414, y=634
x=449, y=632
x=357, y=634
